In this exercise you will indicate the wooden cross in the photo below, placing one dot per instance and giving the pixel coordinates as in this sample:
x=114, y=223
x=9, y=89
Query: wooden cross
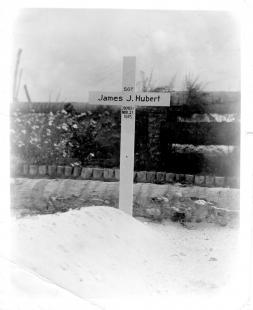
x=128, y=99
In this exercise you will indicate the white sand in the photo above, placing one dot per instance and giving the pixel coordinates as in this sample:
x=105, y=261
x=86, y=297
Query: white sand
x=21, y=289
x=109, y=258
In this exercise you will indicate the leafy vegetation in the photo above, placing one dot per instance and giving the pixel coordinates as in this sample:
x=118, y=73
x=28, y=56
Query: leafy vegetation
x=194, y=90
x=63, y=138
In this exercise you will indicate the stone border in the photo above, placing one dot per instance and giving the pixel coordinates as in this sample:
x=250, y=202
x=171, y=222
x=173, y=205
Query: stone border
x=112, y=175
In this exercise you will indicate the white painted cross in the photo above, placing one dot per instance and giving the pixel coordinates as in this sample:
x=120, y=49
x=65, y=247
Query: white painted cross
x=128, y=100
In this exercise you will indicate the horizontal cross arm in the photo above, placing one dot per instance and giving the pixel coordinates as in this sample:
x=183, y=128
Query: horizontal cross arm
x=131, y=98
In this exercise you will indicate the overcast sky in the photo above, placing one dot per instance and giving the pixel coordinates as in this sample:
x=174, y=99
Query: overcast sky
x=66, y=53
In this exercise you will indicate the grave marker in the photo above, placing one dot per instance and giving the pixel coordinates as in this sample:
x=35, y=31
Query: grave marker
x=128, y=99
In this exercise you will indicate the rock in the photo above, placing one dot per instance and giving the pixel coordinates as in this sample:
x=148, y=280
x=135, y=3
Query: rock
x=108, y=174
x=60, y=171
x=218, y=215
x=189, y=179
x=76, y=172
x=170, y=177
x=232, y=182
x=98, y=174
x=42, y=170
x=51, y=170
x=158, y=210
x=151, y=176
x=33, y=170
x=160, y=199
x=199, y=180
x=86, y=173
x=180, y=178
x=25, y=169
x=200, y=211
x=219, y=181
x=187, y=209
x=141, y=177
x=116, y=174
x=209, y=180
x=183, y=205
x=68, y=171
x=160, y=177
x=154, y=213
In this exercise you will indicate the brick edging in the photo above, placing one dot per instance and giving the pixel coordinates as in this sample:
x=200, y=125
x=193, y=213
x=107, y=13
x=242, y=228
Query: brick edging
x=110, y=175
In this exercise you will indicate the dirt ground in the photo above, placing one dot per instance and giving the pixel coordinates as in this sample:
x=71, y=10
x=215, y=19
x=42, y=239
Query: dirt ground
x=110, y=260
x=43, y=196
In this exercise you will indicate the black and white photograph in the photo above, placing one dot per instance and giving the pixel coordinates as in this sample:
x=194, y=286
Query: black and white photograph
x=125, y=134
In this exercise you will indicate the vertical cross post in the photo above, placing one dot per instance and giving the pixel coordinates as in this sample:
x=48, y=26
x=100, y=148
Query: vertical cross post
x=127, y=139
x=128, y=100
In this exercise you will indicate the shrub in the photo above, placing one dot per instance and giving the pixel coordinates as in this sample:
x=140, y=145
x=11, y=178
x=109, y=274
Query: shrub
x=39, y=138
x=66, y=137
x=194, y=90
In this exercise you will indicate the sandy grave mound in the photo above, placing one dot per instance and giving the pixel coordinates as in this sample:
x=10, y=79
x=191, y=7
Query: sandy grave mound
x=100, y=252
x=93, y=252
x=32, y=292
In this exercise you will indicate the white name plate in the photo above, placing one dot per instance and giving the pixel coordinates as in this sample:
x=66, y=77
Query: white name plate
x=131, y=98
